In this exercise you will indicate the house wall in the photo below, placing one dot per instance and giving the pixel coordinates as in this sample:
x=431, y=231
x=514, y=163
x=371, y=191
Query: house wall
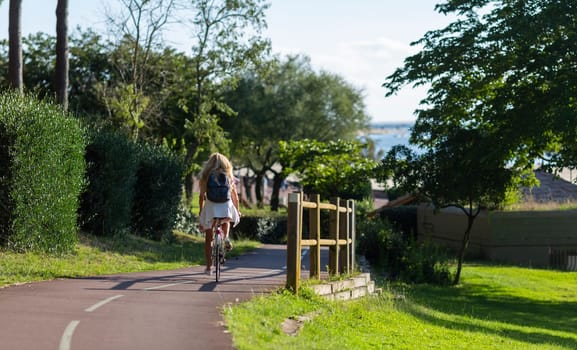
x=524, y=238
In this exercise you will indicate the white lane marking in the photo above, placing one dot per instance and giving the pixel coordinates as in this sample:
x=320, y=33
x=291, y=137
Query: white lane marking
x=167, y=285
x=67, y=335
x=100, y=303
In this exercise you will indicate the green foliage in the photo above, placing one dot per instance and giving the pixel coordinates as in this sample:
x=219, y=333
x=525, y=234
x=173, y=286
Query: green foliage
x=462, y=168
x=126, y=105
x=42, y=176
x=331, y=169
x=262, y=228
x=107, y=202
x=502, y=94
x=288, y=100
x=186, y=221
x=401, y=256
x=403, y=219
x=158, y=192
x=501, y=67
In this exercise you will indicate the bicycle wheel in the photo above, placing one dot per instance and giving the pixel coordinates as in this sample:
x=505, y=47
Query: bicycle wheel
x=216, y=255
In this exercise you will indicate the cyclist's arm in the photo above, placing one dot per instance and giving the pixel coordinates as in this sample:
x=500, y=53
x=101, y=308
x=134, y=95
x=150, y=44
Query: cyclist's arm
x=234, y=197
x=201, y=196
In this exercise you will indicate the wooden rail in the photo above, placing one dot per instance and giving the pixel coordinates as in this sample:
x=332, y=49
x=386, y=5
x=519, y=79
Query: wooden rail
x=341, y=237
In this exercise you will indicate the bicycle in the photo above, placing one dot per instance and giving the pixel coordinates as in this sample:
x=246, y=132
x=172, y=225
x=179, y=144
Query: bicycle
x=218, y=247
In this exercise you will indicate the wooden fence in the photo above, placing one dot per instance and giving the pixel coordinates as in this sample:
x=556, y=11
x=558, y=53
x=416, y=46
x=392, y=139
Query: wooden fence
x=341, y=236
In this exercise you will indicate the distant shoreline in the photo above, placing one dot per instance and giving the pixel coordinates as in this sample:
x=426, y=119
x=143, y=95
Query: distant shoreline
x=384, y=129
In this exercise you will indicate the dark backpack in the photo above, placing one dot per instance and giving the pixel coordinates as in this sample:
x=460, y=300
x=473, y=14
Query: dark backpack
x=218, y=188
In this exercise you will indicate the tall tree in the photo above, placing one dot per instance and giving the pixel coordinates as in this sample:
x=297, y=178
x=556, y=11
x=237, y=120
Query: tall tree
x=466, y=170
x=15, y=46
x=62, y=54
x=289, y=101
x=226, y=39
x=139, y=25
x=505, y=66
x=502, y=94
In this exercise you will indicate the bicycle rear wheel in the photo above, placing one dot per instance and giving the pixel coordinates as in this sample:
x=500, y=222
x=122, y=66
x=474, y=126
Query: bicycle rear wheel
x=216, y=255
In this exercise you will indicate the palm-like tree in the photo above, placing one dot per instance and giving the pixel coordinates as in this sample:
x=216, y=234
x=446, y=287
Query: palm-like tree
x=62, y=53
x=15, y=45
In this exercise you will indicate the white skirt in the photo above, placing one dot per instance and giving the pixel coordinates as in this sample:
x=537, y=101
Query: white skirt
x=212, y=210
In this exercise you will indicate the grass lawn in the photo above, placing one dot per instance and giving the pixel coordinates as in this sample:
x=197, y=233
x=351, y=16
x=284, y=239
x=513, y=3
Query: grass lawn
x=98, y=256
x=495, y=307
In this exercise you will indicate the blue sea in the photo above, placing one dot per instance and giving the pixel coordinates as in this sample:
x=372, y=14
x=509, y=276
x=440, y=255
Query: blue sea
x=387, y=135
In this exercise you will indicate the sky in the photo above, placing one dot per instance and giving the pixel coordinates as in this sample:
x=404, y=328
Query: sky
x=362, y=41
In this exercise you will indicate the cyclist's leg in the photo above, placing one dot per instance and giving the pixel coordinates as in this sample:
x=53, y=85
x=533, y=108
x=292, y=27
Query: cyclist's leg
x=225, y=230
x=208, y=249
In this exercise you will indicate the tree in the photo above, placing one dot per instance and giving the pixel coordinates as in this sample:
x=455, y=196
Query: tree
x=62, y=53
x=510, y=70
x=503, y=72
x=226, y=39
x=289, y=101
x=330, y=169
x=465, y=171
x=89, y=65
x=15, y=46
x=139, y=26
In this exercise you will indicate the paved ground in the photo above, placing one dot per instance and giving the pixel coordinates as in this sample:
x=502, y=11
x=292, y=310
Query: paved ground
x=155, y=310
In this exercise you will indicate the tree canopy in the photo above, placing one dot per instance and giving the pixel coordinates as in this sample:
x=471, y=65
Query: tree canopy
x=330, y=169
x=503, y=66
x=288, y=100
x=502, y=95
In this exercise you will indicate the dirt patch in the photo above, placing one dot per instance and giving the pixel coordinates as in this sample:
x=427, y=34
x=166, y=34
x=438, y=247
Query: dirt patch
x=293, y=324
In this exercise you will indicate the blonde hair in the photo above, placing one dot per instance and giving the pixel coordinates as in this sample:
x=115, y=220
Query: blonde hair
x=216, y=163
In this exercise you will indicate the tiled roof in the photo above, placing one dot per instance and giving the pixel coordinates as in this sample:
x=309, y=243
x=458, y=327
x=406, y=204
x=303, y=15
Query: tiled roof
x=552, y=189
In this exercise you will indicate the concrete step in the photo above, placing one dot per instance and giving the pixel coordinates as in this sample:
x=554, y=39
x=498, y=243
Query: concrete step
x=352, y=288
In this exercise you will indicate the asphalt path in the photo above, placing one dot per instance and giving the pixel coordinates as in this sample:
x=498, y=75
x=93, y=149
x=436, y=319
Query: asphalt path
x=180, y=309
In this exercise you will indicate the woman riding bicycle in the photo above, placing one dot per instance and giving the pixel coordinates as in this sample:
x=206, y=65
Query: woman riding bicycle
x=225, y=209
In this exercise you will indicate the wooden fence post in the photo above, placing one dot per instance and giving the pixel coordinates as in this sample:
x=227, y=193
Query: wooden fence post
x=315, y=233
x=334, y=235
x=294, y=231
x=344, y=255
x=352, y=231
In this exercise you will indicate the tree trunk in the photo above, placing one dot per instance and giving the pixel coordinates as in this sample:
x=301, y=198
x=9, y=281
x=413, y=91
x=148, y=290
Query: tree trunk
x=246, y=181
x=189, y=189
x=62, y=54
x=464, y=245
x=276, y=185
x=15, y=46
x=258, y=190
x=188, y=178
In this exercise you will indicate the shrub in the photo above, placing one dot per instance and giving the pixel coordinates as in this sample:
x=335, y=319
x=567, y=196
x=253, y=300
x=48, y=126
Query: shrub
x=42, y=175
x=265, y=229
x=158, y=192
x=186, y=221
x=107, y=202
x=402, y=219
x=402, y=257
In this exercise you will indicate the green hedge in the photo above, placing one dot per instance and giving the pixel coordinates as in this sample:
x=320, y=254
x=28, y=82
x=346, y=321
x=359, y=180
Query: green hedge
x=107, y=202
x=401, y=257
x=133, y=187
x=265, y=229
x=41, y=177
x=158, y=192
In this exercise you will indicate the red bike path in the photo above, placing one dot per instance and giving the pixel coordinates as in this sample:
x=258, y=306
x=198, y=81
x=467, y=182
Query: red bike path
x=179, y=309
